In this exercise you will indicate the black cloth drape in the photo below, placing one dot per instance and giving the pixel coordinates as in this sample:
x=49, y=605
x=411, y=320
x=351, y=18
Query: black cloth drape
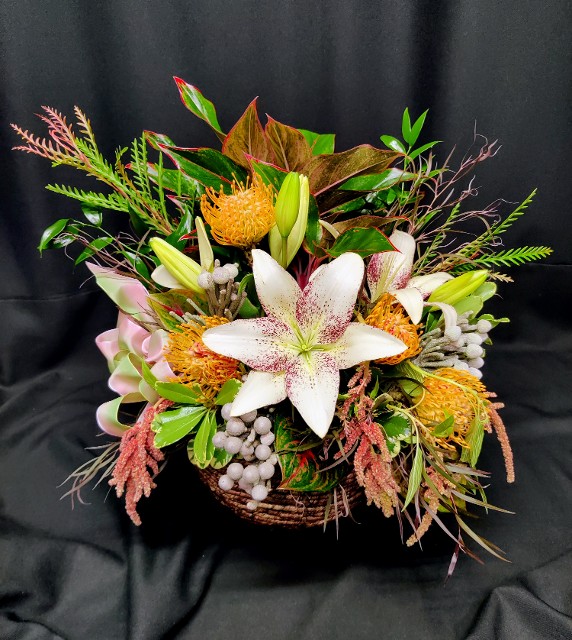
x=192, y=571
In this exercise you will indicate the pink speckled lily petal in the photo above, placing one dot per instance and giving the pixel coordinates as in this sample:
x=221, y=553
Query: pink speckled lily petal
x=312, y=384
x=261, y=343
x=260, y=390
x=326, y=306
x=361, y=342
x=277, y=290
x=391, y=269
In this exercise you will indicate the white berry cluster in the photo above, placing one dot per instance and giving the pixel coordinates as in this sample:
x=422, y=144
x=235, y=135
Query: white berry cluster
x=219, y=275
x=459, y=346
x=250, y=437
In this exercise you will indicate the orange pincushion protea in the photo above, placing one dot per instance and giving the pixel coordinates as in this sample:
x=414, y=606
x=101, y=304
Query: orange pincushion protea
x=452, y=392
x=242, y=218
x=390, y=316
x=195, y=364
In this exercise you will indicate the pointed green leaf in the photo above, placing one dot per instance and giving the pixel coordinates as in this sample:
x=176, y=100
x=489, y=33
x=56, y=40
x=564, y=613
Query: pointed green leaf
x=393, y=143
x=180, y=393
x=51, y=232
x=194, y=100
x=92, y=248
x=320, y=143
x=444, y=428
x=364, y=242
x=416, y=128
x=414, y=476
x=377, y=181
x=406, y=127
x=422, y=149
x=228, y=391
x=203, y=448
x=93, y=215
x=171, y=426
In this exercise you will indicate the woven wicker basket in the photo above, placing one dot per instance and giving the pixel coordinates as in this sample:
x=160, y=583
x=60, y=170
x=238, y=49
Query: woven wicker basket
x=290, y=509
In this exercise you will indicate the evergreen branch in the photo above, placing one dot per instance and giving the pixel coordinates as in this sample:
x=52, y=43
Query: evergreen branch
x=503, y=226
x=96, y=200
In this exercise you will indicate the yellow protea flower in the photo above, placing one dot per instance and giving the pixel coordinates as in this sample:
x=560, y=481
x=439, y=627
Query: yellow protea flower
x=242, y=218
x=390, y=316
x=452, y=392
x=194, y=363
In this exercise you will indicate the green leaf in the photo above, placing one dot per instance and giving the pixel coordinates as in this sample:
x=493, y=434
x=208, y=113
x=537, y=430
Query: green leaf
x=51, y=232
x=327, y=171
x=313, y=234
x=396, y=426
x=171, y=426
x=473, y=303
x=147, y=374
x=406, y=127
x=393, y=143
x=414, y=476
x=416, y=128
x=174, y=180
x=269, y=173
x=320, y=143
x=228, y=391
x=180, y=393
x=377, y=181
x=486, y=291
x=203, y=448
x=291, y=149
x=422, y=149
x=301, y=469
x=92, y=248
x=445, y=428
x=207, y=166
x=247, y=138
x=247, y=308
x=364, y=242
x=93, y=215
x=194, y=100
x=474, y=439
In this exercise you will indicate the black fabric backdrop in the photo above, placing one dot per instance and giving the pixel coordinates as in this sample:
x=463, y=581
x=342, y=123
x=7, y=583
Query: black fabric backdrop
x=191, y=570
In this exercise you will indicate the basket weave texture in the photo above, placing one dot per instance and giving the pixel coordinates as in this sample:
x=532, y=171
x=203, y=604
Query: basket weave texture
x=289, y=509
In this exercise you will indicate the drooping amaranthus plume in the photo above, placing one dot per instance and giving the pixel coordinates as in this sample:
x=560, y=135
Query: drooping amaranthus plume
x=138, y=460
x=372, y=460
x=432, y=500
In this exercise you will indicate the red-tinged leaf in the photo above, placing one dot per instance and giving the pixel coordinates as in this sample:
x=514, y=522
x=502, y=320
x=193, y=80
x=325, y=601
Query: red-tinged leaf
x=291, y=150
x=195, y=102
x=301, y=470
x=247, y=138
x=186, y=160
x=270, y=173
x=157, y=139
x=366, y=222
x=364, y=242
x=327, y=171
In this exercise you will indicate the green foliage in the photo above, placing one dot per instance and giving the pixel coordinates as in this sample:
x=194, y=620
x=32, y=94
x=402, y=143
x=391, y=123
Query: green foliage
x=506, y=258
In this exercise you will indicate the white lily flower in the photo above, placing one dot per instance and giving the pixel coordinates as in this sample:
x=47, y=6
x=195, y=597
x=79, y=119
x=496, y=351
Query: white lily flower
x=307, y=336
x=390, y=272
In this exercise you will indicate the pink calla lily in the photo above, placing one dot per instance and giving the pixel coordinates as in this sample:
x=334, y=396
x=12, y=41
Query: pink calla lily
x=307, y=336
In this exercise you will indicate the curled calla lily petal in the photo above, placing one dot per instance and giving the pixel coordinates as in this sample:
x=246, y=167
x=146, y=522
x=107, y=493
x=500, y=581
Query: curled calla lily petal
x=107, y=418
x=127, y=293
x=306, y=338
x=131, y=335
x=108, y=343
x=154, y=345
x=125, y=378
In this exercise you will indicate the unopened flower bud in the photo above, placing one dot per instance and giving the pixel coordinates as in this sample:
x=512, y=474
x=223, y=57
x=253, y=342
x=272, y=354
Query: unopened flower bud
x=288, y=204
x=458, y=288
x=484, y=326
x=180, y=266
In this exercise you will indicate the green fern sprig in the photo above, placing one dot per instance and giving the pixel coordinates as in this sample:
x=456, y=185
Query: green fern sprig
x=90, y=198
x=507, y=258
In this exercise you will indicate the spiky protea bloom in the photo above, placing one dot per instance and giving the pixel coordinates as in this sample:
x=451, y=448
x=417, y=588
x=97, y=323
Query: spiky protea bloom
x=242, y=218
x=194, y=363
x=390, y=316
x=453, y=392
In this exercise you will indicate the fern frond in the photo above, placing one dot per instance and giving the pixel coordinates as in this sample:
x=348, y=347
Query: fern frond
x=513, y=257
x=503, y=226
x=96, y=200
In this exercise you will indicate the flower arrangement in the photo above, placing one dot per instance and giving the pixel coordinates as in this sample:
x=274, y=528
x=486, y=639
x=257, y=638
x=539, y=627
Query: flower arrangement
x=307, y=324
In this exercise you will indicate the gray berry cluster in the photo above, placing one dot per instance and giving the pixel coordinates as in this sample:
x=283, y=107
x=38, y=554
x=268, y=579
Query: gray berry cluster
x=250, y=438
x=459, y=346
x=222, y=291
